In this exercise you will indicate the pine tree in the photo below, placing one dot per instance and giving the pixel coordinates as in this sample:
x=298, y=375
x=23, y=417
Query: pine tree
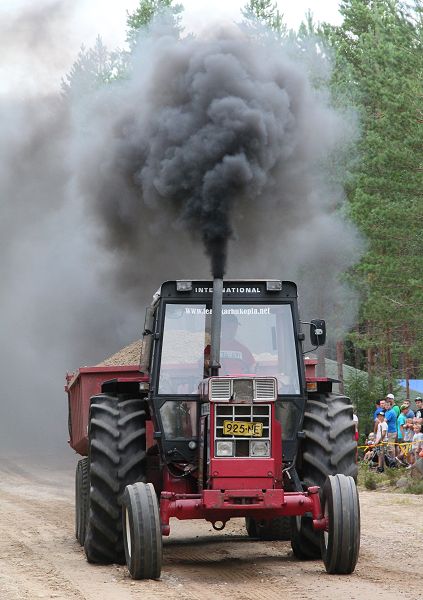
x=94, y=67
x=97, y=66
x=146, y=12
x=267, y=13
x=378, y=51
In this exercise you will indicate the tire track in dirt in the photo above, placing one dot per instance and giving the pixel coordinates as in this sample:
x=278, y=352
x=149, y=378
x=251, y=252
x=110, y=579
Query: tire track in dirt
x=40, y=558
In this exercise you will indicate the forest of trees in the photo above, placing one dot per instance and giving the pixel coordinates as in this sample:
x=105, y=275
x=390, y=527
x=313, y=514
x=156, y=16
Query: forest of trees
x=377, y=60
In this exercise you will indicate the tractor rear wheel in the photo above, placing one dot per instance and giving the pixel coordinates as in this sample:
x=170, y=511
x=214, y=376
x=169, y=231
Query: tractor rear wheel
x=275, y=529
x=117, y=457
x=81, y=499
x=341, y=541
x=328, y=448
x=142, y=531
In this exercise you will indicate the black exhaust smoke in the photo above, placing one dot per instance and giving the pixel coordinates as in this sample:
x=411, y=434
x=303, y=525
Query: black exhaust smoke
x=221, y=136
x=202, y=129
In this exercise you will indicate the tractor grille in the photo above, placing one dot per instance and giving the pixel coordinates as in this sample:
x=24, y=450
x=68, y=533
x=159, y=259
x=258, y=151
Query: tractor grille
x=265, y=389
x=255, y=413
x=262, y=388
x=220, y=389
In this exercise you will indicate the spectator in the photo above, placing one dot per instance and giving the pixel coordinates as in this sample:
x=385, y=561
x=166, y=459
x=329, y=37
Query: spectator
x=401, y=422
x=380, y=439
x=355, y=420
x=391, y=420
x=371, y=453
x=410, y=413
x=419, y=407
x=408, y=437
x=417, y=443
x=380, y=407
x=370, y=441
x=391, y=398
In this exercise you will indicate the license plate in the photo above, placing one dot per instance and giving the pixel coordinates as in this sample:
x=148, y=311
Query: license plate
x=242, y=428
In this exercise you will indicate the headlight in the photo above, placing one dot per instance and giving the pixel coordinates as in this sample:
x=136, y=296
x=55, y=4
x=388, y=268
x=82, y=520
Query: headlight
x=259, y=448
x=224, y=448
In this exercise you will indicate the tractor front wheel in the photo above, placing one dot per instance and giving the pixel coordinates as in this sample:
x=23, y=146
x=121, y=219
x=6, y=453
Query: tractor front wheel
x=340, y=541
x=142, y=534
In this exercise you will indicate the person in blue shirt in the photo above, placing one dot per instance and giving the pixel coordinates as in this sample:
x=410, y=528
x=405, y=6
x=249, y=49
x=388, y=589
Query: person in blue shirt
x=391, y=419
x=410, y=413
x=401, y=421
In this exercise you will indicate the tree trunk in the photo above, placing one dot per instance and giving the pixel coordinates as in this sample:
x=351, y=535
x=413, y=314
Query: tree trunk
x=389, y=358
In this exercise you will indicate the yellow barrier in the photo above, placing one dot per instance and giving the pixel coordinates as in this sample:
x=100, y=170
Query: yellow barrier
x=368, y=447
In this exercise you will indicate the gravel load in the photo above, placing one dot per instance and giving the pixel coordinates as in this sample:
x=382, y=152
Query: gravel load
x=130, y=355
x=182, y=347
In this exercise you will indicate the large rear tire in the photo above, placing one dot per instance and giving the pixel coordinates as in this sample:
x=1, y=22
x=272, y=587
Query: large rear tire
x=341, y=542
x=328, y=448
x=117, y=457
x=275, y=529
x=142, y=531
x=81, y=499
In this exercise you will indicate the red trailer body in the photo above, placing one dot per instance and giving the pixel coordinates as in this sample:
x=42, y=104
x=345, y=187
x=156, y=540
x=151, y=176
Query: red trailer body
x=87, y=382
x=80, y=387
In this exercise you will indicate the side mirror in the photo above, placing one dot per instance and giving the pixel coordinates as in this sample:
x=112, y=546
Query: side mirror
x=147, y=340
x=318, y=332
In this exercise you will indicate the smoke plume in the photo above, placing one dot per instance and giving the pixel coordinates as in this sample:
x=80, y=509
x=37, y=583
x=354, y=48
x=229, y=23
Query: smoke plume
x=221, y=136
x=215, y=143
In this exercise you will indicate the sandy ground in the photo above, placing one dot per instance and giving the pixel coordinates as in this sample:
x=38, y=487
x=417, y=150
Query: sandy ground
x=40, y=558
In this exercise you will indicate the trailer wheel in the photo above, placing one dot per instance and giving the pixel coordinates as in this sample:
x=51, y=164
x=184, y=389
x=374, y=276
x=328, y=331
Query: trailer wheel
x=142, y=531
x=328, y=448
x=117, y=458
x=341, y=541
x=81, y=499
x=275, y=529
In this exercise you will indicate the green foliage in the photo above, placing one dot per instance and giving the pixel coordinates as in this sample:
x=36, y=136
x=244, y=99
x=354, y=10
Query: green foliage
x=267, y=13
x=415, y=487
x=145, y=13
x=364, y=392
x=94, y=67
x=379, y=68
x=97, y=66
x=392, y=475
x=370, y=480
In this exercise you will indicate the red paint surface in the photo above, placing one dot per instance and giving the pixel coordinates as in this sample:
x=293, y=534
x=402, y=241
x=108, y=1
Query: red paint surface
x=83, y=384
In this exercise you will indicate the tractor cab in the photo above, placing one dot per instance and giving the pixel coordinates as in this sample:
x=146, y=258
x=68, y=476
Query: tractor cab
x=259, y=338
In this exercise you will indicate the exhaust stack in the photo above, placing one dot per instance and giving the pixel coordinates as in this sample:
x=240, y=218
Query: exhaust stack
x=216, y=325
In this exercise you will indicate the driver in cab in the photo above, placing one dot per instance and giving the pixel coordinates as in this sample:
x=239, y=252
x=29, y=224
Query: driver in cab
x=234, y=356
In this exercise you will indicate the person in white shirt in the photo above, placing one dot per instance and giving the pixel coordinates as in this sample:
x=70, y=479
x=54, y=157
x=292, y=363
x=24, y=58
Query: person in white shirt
x=381, y=438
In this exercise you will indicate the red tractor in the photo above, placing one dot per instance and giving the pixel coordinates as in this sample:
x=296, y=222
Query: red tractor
x=223, y=418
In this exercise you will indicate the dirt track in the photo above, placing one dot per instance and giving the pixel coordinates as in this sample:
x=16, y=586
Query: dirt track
x=40, y=558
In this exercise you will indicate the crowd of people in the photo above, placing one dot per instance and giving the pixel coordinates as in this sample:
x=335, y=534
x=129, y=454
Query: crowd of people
x=397, y=436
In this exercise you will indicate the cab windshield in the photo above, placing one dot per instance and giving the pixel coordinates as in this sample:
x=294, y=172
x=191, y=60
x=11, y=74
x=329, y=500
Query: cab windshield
x=255, y=340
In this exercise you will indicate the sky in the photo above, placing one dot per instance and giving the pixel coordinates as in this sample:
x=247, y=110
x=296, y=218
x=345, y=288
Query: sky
x=110, y=16
x=85, y=19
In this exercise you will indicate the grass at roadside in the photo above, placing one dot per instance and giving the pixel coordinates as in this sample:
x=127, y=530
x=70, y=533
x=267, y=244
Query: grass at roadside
x=370, y=479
